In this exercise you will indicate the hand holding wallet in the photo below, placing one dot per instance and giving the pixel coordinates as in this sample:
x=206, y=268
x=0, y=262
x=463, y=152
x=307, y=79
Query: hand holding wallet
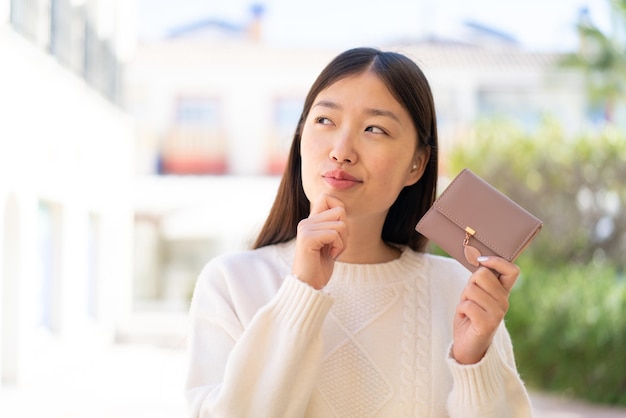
x=471, y=218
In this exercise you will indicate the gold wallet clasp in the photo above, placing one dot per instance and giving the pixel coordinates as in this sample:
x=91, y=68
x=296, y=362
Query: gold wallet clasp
x=471, y=253
x=469, y=232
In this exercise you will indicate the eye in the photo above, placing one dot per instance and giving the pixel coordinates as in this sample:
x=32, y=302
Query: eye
x=375, y=130
x=323, y=120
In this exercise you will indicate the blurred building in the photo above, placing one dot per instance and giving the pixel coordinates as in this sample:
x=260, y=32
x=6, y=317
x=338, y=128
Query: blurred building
x=65, y=170
x=473, y=82
x=216, y=109
x=213, y=98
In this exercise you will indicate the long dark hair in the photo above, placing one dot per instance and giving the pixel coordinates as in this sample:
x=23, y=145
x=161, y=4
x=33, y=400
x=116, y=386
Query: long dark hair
x=409, y=86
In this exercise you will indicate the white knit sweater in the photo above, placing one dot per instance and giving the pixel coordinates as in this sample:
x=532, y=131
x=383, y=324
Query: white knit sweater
x=374, y=343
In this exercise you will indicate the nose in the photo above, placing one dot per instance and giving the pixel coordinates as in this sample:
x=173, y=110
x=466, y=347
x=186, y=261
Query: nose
x=342, y=150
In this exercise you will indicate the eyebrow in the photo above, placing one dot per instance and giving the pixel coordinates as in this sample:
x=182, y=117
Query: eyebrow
x=369, y=111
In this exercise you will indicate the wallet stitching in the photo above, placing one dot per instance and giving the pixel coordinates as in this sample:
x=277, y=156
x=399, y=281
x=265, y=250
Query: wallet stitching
x=479, y=237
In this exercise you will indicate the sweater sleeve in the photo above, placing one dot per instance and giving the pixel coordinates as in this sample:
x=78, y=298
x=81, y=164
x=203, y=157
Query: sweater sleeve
x=265, y=369
x=492, y=388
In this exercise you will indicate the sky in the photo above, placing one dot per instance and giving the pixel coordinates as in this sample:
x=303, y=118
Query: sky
x=545, y=25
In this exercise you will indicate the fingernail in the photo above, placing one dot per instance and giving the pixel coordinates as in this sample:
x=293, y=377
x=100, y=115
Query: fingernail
x=482, y=258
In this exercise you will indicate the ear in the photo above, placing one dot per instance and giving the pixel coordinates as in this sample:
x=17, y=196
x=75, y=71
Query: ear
x=418, y=165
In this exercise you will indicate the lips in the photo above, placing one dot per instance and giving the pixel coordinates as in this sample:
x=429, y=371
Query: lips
x=339, y=179
x=339, y=175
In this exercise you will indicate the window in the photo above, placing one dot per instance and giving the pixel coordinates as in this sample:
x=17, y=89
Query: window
x=49, y=266
x=67, y=34
x=287, y=111
x=29, y=18
x=195, y=144
x=518, y=104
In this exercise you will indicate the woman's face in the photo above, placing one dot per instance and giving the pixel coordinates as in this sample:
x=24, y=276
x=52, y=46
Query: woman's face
x=359, y=145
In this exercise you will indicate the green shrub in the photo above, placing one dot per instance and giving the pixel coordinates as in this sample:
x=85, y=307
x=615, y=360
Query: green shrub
x=568, y=327
x=567, y=316
x=575, y=185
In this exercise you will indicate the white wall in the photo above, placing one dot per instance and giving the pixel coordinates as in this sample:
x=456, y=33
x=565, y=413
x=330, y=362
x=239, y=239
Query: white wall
x=65, y=171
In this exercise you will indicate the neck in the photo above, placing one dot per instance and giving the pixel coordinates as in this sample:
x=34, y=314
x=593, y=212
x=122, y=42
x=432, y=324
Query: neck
x=365, y=245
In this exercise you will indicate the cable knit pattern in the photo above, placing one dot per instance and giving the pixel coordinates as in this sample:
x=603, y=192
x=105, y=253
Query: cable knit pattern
x=362, y=388
x=407, y=359
x=349, y=379
x=264, y=344
x=416, y=351
x=366, y=389
x=355, y=308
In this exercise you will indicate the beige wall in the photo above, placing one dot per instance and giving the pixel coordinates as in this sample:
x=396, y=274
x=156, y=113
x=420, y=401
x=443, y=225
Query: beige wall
x=248, y=78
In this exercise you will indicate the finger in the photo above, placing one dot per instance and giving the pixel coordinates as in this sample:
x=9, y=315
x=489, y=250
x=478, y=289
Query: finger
x=325, y=202
x=333, y=214
x=507, y=270
x=328, y=207
x=487, y=280
x=326, y=230
x=331, y=241
x=492, y=306
x=484, y=325
x=322, y=231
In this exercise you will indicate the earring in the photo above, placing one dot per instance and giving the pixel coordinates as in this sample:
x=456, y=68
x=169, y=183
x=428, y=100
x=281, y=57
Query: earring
x=414, y=167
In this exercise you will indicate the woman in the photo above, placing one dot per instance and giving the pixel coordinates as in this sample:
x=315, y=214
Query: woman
x=338, y=312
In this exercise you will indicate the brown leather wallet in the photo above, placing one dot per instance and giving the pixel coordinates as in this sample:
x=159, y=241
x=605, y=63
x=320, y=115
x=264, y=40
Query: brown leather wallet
x=471, y=218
